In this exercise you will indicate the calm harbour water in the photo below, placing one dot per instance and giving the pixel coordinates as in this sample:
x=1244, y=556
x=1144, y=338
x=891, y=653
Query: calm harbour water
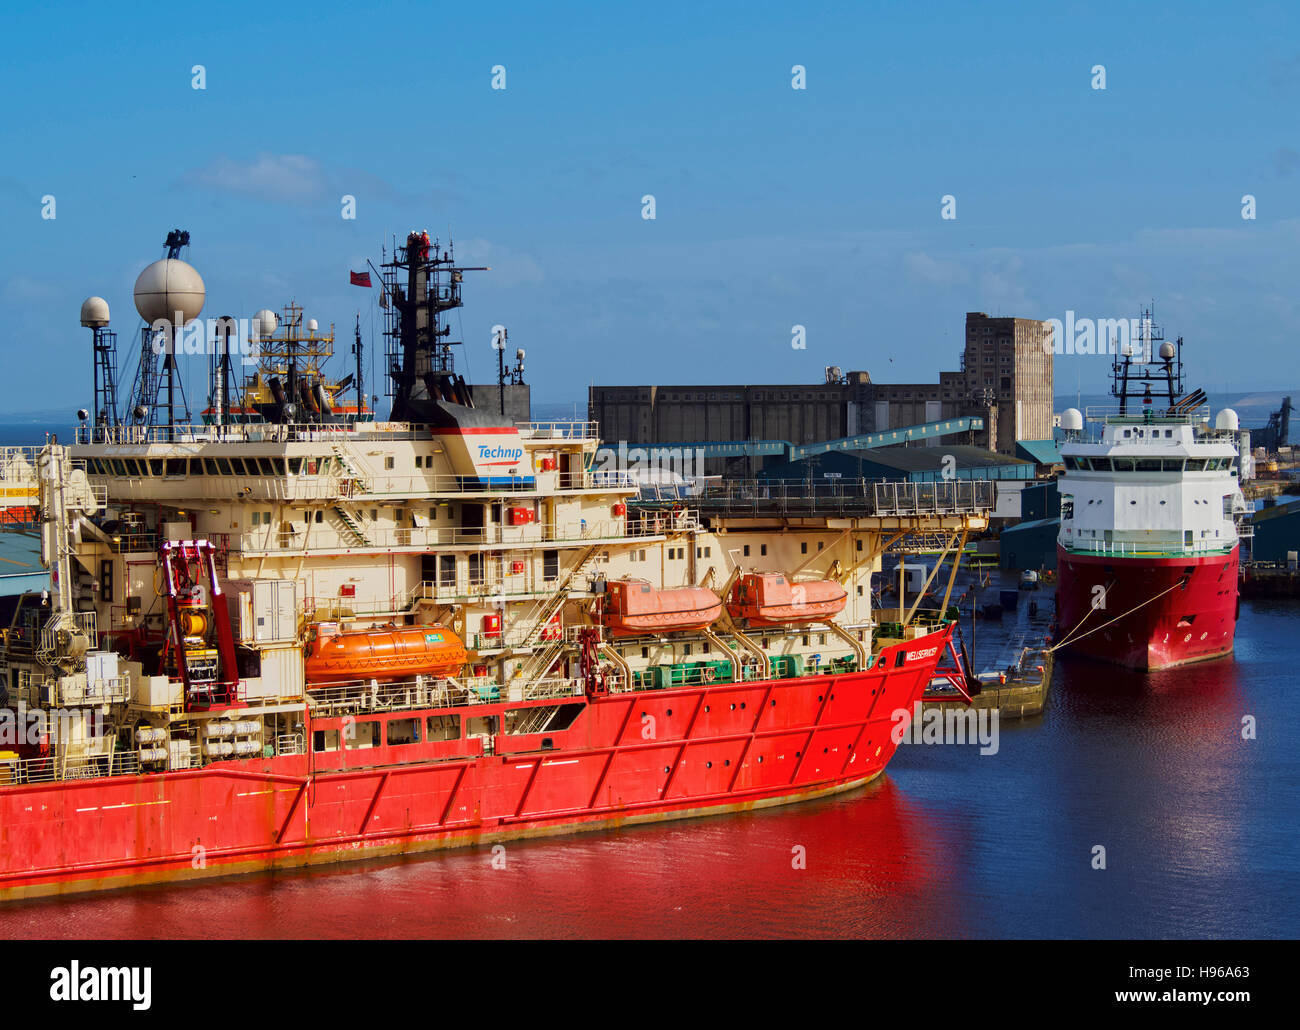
x=1200, y=829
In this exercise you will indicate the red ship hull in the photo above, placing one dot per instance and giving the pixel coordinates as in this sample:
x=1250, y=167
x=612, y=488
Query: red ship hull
x=627, y=758
x=1171, y=611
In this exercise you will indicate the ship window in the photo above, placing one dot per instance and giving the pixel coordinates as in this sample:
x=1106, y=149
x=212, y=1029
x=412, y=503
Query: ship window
x=388, y=463
x=762, y=550
x=1067, y=507
x=444, y=727
x=1123, y=464
x=325, y=740
x=419, y=461
x=476, y=570
x=1148, y=464
x=645, y=652
x=446, y=570
x=363, y=735
x=404, y=731
x=1172, y=464
x=803, y=547
x=1195, y=464
x=747, y=550
x=1227, y=505
x=155, y=466
x=550, y=565
x=295, y=465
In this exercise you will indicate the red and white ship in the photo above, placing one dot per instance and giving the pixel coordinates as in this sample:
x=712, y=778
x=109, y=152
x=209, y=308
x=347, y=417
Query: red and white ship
x=1151, y=518
x=289, y=635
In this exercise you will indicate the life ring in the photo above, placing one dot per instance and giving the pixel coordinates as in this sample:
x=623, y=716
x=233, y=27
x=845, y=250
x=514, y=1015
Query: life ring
x=710, y=674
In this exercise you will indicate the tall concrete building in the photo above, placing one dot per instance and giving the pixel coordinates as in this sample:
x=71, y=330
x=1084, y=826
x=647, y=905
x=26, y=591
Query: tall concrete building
x=1005, y=378
x=1008, y=362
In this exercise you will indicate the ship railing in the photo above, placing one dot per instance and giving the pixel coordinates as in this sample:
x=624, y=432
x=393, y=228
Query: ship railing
x=1131, y=417
x=58, y=768
x=303, y=538
x=559, y=429
x=449, y=692
x=114, y=690
x=290, y=744
x=847, y=497
x=1137, y=547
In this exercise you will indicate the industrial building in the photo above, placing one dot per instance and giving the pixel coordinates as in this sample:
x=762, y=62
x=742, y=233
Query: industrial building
x=1029, y=545
x=1005, y=379
x=1277, y=532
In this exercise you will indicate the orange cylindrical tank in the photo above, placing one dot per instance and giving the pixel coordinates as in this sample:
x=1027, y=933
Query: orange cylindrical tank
x=383, y=653
x=770, y=599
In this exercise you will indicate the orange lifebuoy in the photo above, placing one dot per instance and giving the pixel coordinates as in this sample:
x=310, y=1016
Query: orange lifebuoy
x=710, y=674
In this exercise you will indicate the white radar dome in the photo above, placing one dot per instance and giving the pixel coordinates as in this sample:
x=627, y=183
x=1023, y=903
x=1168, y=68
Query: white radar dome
x=1226, y=419
x=311, y=325
x=94, y=312
x=1072, y=420
x=169, y=286
x=265, y=323
x=1166, y=351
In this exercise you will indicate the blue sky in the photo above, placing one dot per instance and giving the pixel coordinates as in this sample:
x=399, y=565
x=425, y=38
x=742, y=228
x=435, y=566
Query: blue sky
x=774, y=207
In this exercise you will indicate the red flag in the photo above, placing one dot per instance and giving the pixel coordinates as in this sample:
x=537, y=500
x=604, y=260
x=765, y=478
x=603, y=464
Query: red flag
x=360, y=278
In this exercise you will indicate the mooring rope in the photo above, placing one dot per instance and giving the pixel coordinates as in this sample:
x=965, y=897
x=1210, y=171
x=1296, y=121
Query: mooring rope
x=1070, y=639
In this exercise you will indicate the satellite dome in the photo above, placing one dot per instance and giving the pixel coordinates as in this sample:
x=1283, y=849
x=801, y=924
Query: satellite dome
x=264, y=324
x=311, y=325
x=94, y=312
x=1166, y=350
x=166, y=287
x=1072, y=420
x=1226, y=419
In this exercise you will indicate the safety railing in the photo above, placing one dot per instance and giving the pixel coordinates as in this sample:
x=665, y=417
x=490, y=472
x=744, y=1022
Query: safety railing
x=1139, y=547
x=302, y=537
x=340, y=699
x=56, y=768
x=859, y=497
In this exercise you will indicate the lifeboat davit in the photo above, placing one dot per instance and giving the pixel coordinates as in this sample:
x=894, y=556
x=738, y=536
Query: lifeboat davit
x=383, y=653
x=633, y=607
x=769, y=599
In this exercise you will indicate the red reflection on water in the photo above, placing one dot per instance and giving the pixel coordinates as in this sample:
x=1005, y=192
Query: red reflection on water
x=868, y=869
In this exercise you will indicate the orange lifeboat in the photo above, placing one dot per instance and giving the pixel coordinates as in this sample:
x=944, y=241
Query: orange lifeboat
x=633, y=607
x=382, y=653
x=769, y=599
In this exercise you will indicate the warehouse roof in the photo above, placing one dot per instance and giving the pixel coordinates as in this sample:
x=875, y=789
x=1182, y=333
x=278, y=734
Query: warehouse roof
x=1044, y=452
x=924, y=459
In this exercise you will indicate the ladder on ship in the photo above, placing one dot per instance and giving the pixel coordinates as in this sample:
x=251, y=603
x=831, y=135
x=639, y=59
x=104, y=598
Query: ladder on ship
x=546, y=609
x=536, y=720
x=353, y=525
